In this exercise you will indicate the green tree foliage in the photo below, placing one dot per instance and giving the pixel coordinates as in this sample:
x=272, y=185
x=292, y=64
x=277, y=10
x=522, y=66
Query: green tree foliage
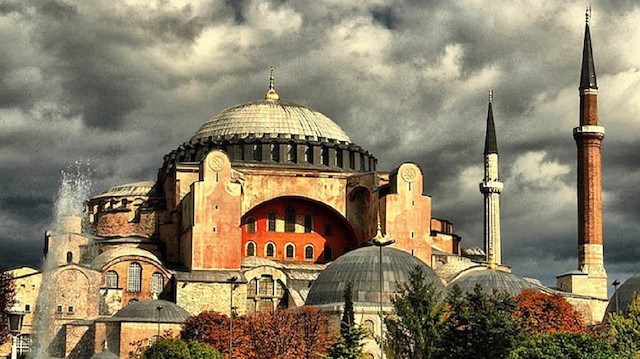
x=6, y=301
x=564, y=345
x=480, y=325
x=179, y=349
x=349, y=344
x=416, y=329
x=625, y=330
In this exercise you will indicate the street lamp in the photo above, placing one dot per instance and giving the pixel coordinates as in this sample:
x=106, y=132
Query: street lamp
x=233, y=282
x=14, y=322
x=616, y=283
x=158, y=309
x=380, y=241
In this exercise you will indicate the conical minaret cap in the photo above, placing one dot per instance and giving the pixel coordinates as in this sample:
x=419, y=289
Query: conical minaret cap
x=490, y=141
x=588, y=72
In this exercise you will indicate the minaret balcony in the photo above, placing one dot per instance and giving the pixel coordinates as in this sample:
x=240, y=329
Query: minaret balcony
x=491, y=187
x=588, y=130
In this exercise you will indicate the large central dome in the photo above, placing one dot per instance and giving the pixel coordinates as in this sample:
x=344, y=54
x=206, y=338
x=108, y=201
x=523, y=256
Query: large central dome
x=272, y=117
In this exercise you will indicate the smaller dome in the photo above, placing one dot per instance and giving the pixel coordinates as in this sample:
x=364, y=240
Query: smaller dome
x=361, y=267
x=490, y=280
x=155, y=310
x=105, y=354
x=625, y=295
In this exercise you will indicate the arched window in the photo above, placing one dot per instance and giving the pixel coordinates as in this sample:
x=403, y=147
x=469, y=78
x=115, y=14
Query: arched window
x=308, y=154
x=275, y=152
x=251, y=249
x=325, y=156
x=251, y=225
x=134, y=278
x=308, y=252
x=157, y=283
x=111, y=279
x=290, y=251
x=257, y=152
x=291, y=153
x=369, y=327
x=270, y=250
x=69, y=257
x=271, y=222
x=328, y=253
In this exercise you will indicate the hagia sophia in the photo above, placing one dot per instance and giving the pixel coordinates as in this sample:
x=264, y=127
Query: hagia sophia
x=270, y=205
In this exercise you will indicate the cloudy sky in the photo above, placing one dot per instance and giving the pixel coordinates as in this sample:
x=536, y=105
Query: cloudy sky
x=119, y=84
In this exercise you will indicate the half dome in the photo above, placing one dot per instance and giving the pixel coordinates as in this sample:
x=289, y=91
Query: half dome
x=625, y=294
x=271, y=117
x=361, y=267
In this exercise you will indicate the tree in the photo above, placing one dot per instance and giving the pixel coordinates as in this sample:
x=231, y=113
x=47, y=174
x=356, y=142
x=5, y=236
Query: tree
x=212, y=328
x=625, y=330
x=417, y=327
x=480, y=325
x=6, y=301
x=542, y=313
x=179, y=349
x=564, y=345
x=349, y=343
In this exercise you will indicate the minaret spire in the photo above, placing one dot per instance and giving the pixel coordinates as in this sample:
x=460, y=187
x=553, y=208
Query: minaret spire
x=491, y=187
x=588, y=71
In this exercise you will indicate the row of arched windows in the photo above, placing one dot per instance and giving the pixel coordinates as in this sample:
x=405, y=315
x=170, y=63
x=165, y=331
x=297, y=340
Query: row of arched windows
x=290, y=251
x=134, y=279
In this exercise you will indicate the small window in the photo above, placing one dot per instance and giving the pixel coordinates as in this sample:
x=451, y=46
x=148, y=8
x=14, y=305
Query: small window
x=291, y=153
x=59, y=309
x=69, y=257
x=251, y=249
x=352, y=160
x=257, y=152
x=328, y=253
x=27, y=308
x=290, y=219
x=308, y=223
x=339, y=158
x=275, y=152
x=290, y=251
x=308, y=154
x=271, y=222
x=251, y=225
x=157, y=283
x=308, y=252
x=328, y=229
x=70, y=309
x=111, y=279
x=270, y=250
x=134, y=278
x=369, y=327
x=325, y=156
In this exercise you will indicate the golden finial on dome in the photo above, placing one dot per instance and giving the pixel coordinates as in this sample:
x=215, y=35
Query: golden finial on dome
x=272, y=94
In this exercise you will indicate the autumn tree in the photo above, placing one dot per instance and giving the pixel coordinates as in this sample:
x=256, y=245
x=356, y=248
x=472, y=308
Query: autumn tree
x=212, y=328
x=349, y=343
x=478, y=325
x=179, y=349
x=542, y=313
x=416, y=329
x=625, y=330
x=6, y=301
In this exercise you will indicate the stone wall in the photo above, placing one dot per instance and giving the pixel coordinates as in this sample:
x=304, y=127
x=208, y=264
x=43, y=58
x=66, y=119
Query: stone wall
x=196, y=297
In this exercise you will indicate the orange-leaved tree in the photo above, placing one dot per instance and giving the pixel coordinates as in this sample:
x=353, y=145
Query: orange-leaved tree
x=213, y=329
x=547, y=313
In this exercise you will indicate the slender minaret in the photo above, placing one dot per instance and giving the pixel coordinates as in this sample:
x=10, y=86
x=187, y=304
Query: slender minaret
x=491, y=188
x=588, y=137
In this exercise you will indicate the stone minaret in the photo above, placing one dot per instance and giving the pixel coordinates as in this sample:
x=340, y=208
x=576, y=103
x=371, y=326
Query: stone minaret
x=588, y=137
x=491, y=188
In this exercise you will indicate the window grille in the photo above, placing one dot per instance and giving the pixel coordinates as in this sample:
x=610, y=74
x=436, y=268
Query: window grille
x=266, y=286
x=134, y=278
x=157, y=283
x=111, y=279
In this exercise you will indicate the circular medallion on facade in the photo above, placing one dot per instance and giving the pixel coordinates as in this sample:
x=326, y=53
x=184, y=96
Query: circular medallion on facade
x=216, y=162
x=409, y=174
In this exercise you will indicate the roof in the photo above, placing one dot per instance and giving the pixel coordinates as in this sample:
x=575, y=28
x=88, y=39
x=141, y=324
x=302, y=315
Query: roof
x=105, y=257
x=452, y=269
x=361, y=267
x=143, y=188
x=625, y=295
x=490, y=280
x=490, y=141
x=155, y=310
x=271, y=116
x=588, y=70
x=209, y=276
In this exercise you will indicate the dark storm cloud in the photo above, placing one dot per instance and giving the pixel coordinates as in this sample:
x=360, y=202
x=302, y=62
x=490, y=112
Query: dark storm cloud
x=120, y=84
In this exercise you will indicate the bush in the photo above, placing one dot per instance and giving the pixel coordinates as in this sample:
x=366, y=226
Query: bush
x=564, y=346
x=179, y=349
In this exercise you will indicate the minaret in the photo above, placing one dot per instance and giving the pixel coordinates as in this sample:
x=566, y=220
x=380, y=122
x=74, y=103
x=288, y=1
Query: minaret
x=588, y=136
x=491, y=188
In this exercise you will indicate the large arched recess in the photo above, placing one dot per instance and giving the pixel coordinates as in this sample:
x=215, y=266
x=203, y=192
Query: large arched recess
x=329, y=229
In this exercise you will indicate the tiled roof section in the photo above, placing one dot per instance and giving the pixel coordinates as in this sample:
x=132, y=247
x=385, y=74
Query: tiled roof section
x=108, y=256
x=588, y=73
x=143, y=188
x=361, y=267
x=271, y=117
x=147, y=311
